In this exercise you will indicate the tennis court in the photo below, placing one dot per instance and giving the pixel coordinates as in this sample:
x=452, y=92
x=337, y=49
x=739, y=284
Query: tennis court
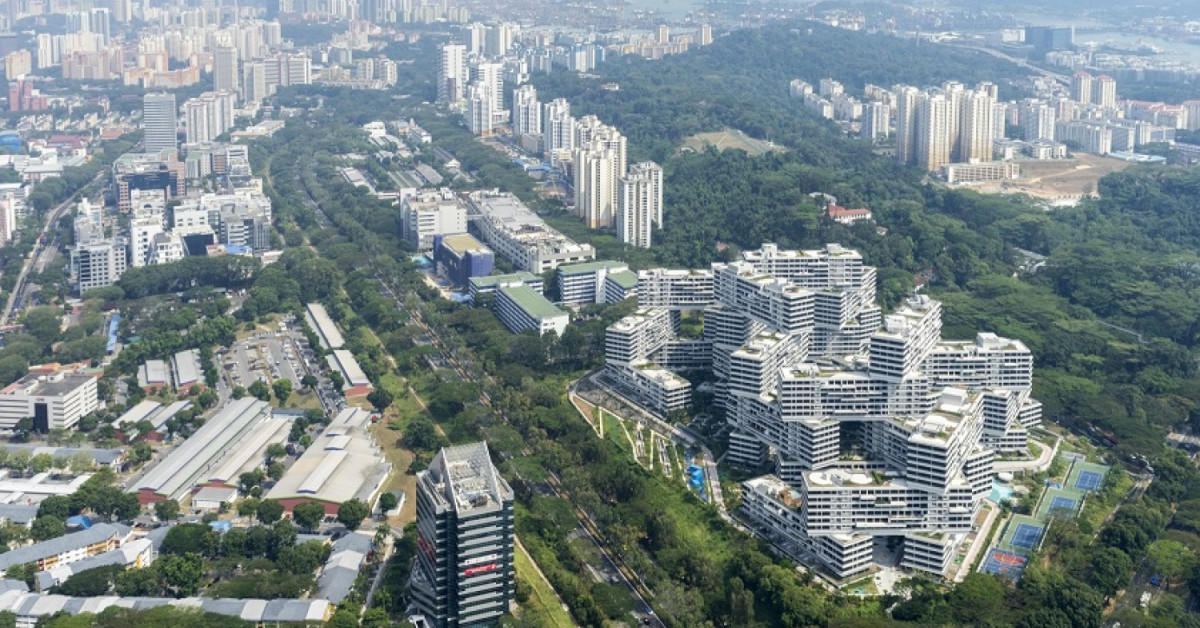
x=1004, y=563
x=1026, y=535
x=1061, y=503
x=1087, y=477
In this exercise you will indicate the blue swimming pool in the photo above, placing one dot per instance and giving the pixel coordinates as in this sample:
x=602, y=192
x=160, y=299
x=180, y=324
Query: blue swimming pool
x=1000, y=492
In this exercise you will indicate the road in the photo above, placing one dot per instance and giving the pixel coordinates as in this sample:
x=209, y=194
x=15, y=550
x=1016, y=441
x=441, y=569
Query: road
x=1063, y=78
x=40, y=249
x=1040, y=464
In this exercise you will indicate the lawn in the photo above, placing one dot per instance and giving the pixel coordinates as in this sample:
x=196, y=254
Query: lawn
x=543, y=602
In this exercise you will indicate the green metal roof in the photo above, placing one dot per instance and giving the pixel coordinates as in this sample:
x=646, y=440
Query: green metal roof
x=491, y=280
x=532, y=302
x=626, y=279
x=591, y=267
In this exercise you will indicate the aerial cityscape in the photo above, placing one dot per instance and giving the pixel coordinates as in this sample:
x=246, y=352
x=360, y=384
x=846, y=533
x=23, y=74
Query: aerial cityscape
x=547, y=314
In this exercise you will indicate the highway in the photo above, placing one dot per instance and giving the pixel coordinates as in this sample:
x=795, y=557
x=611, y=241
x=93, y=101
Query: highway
x=1062, y=78
x=40, y=249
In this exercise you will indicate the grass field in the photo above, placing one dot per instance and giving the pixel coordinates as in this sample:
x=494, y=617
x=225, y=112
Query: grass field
x=731, y=138
x=543, y=603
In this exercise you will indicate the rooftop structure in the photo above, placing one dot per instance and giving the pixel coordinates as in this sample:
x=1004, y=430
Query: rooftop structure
x=327, y=331
x=489, y=284
x=343, y=360
x=54, y=401
x=465, y=523
x=343, y=463
x=176, y=474
x=521, y=308
x=521, y=236
x=99, y=538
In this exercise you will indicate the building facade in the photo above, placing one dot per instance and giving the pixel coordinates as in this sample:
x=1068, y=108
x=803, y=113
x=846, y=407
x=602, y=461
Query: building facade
x=463, y=575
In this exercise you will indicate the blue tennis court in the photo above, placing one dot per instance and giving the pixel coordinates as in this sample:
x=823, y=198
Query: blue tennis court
x=1062, y=503
x=1004, y=563
x=1026, y=535
x=1088, y=481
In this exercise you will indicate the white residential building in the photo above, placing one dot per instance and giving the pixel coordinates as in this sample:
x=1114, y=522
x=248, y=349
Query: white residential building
x=640, y=211
x=526, y=111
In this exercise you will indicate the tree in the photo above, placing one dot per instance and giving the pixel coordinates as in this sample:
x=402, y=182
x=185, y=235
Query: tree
x=91, y=582
x=43, y=323
x=978, y=597
x=269, y=511
x=137, y=583
x=337, y=380
x=41, y=463
x=238, y=392
x=1108, y=569
x=1170, y=559
x=247, y=507
x=259, y=389
x=283, y=389
x=183, y=574
x=190, y=538
x=275, y=471
x=309, y=381
x=352, y=512
x=308, y=515
x=388, y=501
x=249, y=480
x=45, y=528
x=275, y=451
x=55, y=506
x=380, y=398
x=166, y=509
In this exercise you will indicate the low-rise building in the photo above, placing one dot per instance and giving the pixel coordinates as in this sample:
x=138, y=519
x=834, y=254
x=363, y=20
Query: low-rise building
x=54, y=401
x=343, y=463
x=521, y=308
x=153, y=374
x=489, y=284
x=69, y=548
x=979, y=172
x=184, y=467
x=186, y=370
x=581, y=284
x=327, y=330
x=342, y=360
x=346, y=561
x=460, y=257
x=135, y=554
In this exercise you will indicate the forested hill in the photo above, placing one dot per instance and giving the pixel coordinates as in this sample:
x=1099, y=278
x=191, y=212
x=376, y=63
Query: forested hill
x=741, y=81
x=1126, y=260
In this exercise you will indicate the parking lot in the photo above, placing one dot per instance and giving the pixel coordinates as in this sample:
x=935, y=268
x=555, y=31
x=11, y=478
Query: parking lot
x=282, y=353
